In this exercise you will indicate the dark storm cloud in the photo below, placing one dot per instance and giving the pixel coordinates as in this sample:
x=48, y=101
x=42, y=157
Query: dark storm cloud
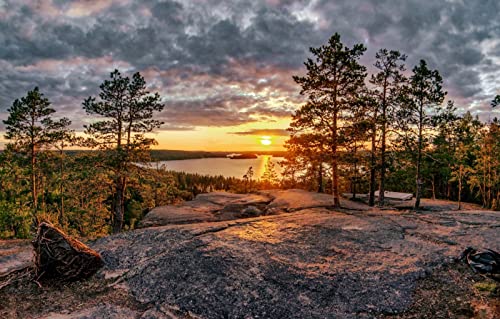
x=239, y=48
x=210, y=111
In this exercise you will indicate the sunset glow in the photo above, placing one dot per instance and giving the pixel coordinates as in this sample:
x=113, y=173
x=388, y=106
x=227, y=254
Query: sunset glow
x=224, y=78
x=266, y=140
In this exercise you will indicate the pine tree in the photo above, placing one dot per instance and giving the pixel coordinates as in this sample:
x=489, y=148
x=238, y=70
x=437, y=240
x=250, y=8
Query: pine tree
x=30, y=128
x=486, y=178
x=466, y=142
x=247, y=178
x=353, y=138
x=269, y=177
x=128, y=108
x=444, y=145
x=423, y=97
x=387, y=85
x=62, y=137
x=333, y=80
x=305, y=159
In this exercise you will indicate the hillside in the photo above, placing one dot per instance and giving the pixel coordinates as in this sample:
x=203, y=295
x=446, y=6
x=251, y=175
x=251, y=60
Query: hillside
x=301, y=260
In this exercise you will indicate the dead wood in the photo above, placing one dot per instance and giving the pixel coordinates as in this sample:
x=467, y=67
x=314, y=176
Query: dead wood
x=60, y=257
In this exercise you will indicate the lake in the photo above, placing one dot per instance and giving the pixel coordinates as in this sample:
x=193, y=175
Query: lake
x=223, y=166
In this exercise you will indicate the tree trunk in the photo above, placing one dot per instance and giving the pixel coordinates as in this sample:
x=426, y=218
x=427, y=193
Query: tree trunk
x=433, y=182
x=489, y=182
x=354, y=188
x=320, y=178
x=381, y=190
x=460, y=187
x=355, y=173
x=419, y=158
x=60, y=257
x=335, y=177
x=34, y=193
x=61, y=187
x=119, y=204
x=373, y=160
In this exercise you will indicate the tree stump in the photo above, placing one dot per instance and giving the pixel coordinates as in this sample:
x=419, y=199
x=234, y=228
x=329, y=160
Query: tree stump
x=60, y=257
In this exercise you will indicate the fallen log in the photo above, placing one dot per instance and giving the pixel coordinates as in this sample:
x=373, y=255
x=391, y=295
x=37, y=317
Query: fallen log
x=60, y=257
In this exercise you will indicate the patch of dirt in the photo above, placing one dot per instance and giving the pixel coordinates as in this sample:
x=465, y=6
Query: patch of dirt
x=451, y=291
x=435, y=205
x=26, y=299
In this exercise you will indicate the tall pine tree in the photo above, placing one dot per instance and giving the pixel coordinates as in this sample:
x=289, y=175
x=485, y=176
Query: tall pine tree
x=128, y=108
x=387, y=84
x=30, y=127
x=333, y=80
x=422, y=100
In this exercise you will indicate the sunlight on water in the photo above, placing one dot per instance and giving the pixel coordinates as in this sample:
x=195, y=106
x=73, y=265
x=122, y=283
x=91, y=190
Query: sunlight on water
x=223, y=166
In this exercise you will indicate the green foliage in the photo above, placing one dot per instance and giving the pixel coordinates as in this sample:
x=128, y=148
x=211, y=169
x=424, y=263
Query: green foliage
x=30, y=127
x=29, y=123
x=422, y=99
x=14, y=220
x=269, y=177
x=486, y=286
x=127, y=108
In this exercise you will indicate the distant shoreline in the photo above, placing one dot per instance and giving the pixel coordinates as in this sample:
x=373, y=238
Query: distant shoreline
x=174, y=155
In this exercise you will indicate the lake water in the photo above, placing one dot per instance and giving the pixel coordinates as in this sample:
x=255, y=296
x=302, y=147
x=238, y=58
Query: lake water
x=223, y=166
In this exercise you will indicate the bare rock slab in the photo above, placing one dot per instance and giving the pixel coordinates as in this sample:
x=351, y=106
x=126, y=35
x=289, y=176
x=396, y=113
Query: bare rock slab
x=60, y=257
x=297, y=199
x=224, y=198
x=14, y=255
x=178, y=214
x=312, y=263
x=210, y=207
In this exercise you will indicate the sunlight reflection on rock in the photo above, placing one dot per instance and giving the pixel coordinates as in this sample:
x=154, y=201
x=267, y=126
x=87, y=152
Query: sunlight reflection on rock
x=262, y=231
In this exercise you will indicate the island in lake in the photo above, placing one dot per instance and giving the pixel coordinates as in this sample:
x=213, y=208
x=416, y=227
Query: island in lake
x=242, y=156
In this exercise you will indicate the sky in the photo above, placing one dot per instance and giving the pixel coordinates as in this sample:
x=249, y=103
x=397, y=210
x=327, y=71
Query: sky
x=224, y=68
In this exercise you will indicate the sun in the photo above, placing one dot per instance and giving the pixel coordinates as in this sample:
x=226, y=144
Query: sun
x=266, y=140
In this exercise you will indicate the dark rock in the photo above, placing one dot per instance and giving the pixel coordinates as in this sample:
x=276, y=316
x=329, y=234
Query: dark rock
x=60, y=257
x=250, y=211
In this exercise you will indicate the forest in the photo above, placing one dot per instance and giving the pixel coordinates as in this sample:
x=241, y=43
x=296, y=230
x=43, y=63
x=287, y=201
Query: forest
x=392, y=130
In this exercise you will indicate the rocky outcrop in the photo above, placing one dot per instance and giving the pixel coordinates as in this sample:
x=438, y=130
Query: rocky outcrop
x=291, y=200
x=305, y=263
x=216, y=206
x=220, y=206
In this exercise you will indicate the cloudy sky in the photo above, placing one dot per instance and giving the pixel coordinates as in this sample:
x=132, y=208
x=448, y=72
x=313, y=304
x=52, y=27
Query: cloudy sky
x=224, y=68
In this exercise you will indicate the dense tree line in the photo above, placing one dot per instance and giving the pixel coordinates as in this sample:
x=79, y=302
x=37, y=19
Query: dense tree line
x=392, y=131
